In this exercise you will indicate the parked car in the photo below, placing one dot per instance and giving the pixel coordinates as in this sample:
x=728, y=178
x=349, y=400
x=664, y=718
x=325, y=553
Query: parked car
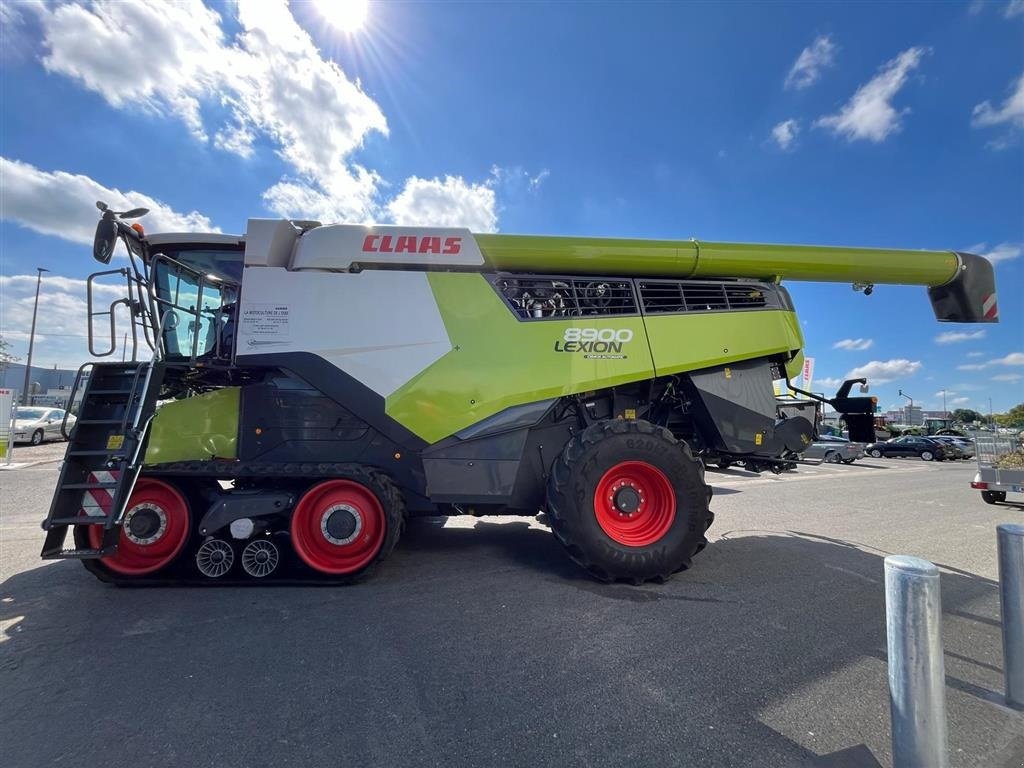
x=963, y=448
x=833, y=449
x=35, y=425
x=909, y=445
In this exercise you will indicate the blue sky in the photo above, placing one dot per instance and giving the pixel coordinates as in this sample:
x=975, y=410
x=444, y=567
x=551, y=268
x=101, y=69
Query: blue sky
x=897, y=125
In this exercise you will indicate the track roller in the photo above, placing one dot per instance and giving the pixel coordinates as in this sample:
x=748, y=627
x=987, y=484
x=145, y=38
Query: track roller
x=214, y=558
x=260, y=558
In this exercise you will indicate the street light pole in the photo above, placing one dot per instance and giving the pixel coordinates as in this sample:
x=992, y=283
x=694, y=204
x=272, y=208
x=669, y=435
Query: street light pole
x=32, y=337
x=945, y=413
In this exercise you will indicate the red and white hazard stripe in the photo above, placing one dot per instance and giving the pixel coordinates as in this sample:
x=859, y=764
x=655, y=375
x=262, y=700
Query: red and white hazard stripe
x=989, y=308
x=98, y=501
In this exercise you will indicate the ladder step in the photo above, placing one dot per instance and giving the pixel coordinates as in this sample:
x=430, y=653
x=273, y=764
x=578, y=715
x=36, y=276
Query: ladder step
x=98, y=452
x=77, y=554
x=79, y=520
x=86, y=486
x=91, y=422
x=92, y=392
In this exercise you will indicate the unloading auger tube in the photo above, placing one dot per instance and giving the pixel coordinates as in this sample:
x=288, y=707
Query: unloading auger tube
x=961, y=286
x=321, y=384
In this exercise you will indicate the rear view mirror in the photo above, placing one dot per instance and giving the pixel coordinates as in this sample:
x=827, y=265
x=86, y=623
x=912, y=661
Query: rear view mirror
x=864, y=388
x=106, y=238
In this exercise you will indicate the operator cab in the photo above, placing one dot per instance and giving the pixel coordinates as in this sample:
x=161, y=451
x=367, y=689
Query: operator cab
x=180, y=291
x=196, y=281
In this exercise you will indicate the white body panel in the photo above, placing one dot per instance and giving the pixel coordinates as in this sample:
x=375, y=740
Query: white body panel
x=339, y=246
x=381, y=327
x=269, y=242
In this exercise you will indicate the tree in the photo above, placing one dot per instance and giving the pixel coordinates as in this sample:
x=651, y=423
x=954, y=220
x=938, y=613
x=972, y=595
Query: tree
x=5, y=356
x=967, y=416
x=1013, y=417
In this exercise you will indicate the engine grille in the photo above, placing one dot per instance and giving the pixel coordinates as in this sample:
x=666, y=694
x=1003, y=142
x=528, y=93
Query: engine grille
x=666, y=296
x=539, y=298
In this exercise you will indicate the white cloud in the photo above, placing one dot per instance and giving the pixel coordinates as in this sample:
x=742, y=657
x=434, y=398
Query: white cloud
x=828, y=382
x=9, y=15
x=869, y=114
x=1014, y=8
x=857, y=345
x=1007, y=377
x=952, y=337
x=447, y=202
x=1010, y=113
x=971, y=367
x=267, y=83
x=806, y=70
x=536, y=181
x=64, y=204
x=884, y=371
x=1014, y=358
x=945, y=393
x=975, y=354
x=998, y=253
x=785, y=133
x=959, y=400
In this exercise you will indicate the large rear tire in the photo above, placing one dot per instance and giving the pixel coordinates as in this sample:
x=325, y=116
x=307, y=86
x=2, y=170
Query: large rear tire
x=629, y=502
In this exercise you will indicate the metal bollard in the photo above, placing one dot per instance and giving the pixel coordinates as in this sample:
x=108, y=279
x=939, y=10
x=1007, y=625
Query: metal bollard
x=1011, y=602
x=917, y=672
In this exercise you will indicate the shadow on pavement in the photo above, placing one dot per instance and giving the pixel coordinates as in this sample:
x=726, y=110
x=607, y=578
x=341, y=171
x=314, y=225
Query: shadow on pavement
x=486, y=646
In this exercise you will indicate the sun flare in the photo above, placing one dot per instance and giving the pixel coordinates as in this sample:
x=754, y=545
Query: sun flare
x=347, y=15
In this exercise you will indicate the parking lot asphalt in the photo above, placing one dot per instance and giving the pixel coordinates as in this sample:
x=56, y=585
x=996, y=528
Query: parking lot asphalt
x=480, y=643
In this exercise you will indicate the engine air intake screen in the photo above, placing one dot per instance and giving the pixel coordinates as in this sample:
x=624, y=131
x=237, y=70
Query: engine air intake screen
x=538, y=298
x=664, y=296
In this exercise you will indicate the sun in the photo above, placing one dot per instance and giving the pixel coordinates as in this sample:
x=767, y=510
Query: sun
x=346, y=15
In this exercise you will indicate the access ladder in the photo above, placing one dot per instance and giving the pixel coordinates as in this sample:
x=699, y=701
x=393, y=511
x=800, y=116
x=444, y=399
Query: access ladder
x=104, y=455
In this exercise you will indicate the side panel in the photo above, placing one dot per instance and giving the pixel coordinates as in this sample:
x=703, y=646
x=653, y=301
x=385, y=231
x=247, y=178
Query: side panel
x=691, y=341
x=195, y=429
x=499, y=361
x=381, y=327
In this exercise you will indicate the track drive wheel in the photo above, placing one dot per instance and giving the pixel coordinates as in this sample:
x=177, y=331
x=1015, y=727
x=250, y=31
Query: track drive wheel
x=156, y=526
x=629, y=502
x=345, y=526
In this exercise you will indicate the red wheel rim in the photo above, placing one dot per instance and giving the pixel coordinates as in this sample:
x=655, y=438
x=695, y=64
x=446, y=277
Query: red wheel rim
x=324, y=547
x=635, y=503
x=137, y=556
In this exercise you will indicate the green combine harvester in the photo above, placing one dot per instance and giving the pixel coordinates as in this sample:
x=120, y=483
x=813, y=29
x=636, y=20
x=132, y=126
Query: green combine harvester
x=311, y=387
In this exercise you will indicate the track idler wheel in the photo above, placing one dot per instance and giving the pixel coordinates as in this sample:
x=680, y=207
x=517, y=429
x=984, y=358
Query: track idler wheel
x=155, y=527
x=215, y=558
x=343, y=527
x=260, y=558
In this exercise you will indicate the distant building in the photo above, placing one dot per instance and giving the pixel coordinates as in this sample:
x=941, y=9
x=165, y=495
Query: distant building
x=52, y=385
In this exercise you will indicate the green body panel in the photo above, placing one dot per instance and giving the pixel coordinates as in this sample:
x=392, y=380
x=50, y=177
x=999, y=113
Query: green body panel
x=688, y=342
x=196, y=428
x=692, y=258
x=498, y=361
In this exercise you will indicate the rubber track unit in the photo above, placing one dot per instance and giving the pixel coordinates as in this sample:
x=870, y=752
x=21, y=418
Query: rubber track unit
x=291, y=571
x=694, y=501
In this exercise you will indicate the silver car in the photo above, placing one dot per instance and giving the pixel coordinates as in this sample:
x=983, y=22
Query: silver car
x=833, y=450
x=963, y=445
x=35, y=425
